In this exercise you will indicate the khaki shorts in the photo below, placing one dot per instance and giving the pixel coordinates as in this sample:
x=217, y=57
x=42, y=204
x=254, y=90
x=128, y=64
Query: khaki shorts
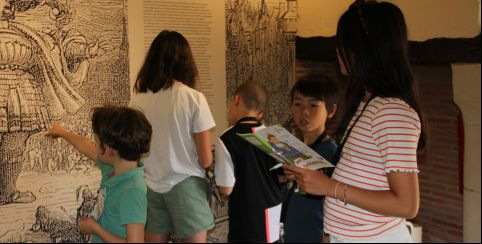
x=184, y=210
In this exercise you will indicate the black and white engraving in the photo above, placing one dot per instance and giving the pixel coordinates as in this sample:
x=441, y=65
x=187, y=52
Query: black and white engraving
x=58, y=59
x=261, y=46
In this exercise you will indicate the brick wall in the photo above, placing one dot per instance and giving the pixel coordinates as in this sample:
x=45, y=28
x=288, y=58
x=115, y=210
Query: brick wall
x=441, y=203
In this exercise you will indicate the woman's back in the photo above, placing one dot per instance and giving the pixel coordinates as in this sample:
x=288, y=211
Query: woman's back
x=176, y=114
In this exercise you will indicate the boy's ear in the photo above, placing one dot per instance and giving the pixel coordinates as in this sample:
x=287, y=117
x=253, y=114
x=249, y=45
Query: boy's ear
x=333, y=111
x=102, y=149
x=109, y=151
x=260, y=116
x=236, y=99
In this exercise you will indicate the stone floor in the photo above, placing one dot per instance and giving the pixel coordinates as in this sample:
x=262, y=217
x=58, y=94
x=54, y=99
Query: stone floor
x=220, y=232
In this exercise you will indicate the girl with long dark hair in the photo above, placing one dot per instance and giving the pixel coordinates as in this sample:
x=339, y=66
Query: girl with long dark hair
x=375, y=184
x=181, y=122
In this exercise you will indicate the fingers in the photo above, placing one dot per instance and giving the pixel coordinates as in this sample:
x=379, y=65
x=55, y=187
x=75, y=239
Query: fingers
x=50, y=135
x=86, y=218
x=53, y=131
x=290, y=177
x=293, y=168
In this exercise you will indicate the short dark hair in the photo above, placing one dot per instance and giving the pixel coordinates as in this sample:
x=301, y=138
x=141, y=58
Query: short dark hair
x=125, y=129
x=318, y=86
x=169, y=59
x=254, y=95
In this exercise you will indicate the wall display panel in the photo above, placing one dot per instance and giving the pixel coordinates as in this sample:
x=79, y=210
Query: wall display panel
x=58, y=59
x=260, y=36
x=202, y=23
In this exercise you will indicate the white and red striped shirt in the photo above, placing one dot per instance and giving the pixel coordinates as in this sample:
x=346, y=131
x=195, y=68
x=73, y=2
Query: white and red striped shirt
x=384, y=140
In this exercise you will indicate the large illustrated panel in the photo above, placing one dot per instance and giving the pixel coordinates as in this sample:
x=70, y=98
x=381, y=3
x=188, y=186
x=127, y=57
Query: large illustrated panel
x=260, y=36
x=58, y=59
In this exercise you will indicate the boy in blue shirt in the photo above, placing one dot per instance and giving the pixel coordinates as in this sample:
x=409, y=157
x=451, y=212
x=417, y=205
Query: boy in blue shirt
x=122, y=136
x=313, y=103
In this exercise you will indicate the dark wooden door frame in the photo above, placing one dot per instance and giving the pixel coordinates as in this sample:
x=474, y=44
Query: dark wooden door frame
x=432, y=51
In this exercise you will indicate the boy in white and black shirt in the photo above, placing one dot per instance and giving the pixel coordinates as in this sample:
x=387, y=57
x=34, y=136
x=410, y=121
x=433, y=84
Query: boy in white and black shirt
x=242, y=171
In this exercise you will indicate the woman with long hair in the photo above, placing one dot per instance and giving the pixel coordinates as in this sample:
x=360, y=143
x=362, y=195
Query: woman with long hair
x=180, y=148
x=375, y=186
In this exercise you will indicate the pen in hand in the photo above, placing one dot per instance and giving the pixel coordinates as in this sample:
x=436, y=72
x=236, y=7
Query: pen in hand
x=276, y=166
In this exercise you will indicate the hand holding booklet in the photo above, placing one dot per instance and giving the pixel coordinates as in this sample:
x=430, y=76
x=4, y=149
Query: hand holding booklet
x=285, y=147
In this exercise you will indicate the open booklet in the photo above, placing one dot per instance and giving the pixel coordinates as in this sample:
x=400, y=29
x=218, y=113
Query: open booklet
x=285, y=147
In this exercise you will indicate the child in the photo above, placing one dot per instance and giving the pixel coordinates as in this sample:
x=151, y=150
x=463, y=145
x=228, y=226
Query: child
x=242, y=171
x=175, y=169
x=375, y=184
x=313, y=102
x=122, y=136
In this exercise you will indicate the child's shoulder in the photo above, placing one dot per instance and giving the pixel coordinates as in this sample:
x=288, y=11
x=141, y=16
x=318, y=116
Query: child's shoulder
x=226, y=131
x=327, y=148
x=134, y=179
x=330, y=141
x=389, y=102
x=178, y=86
x=187, y=93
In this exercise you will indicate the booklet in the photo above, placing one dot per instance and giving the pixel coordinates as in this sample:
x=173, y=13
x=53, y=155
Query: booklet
x=285, y=147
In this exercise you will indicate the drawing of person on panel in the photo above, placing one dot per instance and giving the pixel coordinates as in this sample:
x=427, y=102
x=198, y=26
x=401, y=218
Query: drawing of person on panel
x=39, y=72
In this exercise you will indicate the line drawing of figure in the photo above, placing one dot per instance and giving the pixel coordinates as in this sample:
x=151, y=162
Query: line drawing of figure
x=39, y=72
x=35, y=158
x=285, y=150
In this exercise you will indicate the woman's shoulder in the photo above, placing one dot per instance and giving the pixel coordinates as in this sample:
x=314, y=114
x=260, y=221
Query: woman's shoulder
x=393, y=109
x=379, y=104
x=389, y=101
x=187, y=91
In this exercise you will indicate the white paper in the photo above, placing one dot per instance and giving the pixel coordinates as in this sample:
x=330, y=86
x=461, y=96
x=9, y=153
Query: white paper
x=273, y=216
x=99, y=205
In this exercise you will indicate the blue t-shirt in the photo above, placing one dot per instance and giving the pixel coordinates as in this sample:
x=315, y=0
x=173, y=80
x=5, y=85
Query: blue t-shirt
x=304, y=215
x=124, y=200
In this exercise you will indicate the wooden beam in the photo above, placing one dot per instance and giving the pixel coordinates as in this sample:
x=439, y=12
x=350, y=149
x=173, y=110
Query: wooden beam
x=437, y=50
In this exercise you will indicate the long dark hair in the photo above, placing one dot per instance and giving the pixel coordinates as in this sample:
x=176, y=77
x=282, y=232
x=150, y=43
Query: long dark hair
x=169, y=59
x=373, y=45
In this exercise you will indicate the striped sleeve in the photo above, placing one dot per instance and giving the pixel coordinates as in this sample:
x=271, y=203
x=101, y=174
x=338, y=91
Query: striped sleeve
x=396, y=131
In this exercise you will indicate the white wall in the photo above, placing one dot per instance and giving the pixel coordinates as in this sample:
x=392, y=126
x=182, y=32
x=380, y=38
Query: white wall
x=425, y=18
x=467, y=97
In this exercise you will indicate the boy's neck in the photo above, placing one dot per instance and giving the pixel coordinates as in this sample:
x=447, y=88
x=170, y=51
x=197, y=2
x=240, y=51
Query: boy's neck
x=247, y=113
x=309, y=137
x=121, y=166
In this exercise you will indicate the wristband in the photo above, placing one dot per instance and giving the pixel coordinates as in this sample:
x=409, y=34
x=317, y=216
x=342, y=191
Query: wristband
x=336, y=188
x=344, y=194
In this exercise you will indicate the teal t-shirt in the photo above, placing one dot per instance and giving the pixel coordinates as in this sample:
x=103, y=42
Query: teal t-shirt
x=125, y=200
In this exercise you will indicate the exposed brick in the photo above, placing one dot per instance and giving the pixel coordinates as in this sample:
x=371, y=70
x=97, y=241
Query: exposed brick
x=432, y=199
x=444, y=195
x=433, y=185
